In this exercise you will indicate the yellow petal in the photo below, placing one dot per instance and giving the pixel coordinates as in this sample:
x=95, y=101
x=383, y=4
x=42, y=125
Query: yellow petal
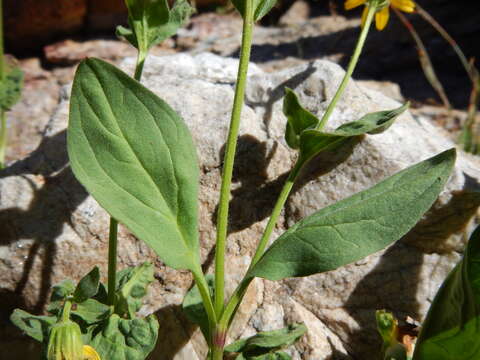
x=350, y=4
x=404, y=5
x=89, y=353
x=381, y=18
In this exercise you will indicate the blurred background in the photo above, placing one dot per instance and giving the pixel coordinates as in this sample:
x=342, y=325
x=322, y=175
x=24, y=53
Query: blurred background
x=59, y=33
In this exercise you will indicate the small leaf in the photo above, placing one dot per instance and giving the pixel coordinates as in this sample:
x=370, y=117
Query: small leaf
x=88, y=286
x=373, y=123
x=11, y=88
x=132, y=286
x=152, y=21
x=298, y=119
x=62, y=290
x=452, y=327
x=261, y=7
x=194, y=309
x=267, y=342
x=359, y=225
x=34, y=326
x=136, y=157
x=91, y=311
x=122, y=339
x=313, y=142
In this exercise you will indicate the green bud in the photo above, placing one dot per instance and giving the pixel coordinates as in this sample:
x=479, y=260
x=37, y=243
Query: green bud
x=387, y=327
x=65, y=342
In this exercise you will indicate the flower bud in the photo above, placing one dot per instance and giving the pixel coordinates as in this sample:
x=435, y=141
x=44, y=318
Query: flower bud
x=65, y=342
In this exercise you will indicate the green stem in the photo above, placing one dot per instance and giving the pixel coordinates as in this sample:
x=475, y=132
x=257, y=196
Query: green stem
x=237, y=296
x=141, y=56
x=351, y=67
x=113, y=234
x=287, y=187
x=206, y=299
x=277, y=209
x=222, y=222
x=112, y=260
x=67, y=307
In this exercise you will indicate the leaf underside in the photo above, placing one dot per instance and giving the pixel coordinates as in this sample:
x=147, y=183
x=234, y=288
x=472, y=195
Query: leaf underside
x=359, y=225
x=136, y=157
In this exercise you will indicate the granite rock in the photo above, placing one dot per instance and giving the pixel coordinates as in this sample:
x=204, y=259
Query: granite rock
x=51, y=229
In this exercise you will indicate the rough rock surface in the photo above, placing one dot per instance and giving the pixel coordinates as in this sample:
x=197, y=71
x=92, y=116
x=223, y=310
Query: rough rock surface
x=51, y=229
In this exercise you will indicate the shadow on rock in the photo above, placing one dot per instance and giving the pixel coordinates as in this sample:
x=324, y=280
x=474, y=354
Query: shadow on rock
x=51, y=207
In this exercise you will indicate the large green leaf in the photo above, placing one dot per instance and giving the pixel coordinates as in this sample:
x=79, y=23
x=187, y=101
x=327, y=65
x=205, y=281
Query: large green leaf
x=122, y=339
x=359, y=225
x=260, y=7
x=136, y=157
x=451, y=330
x=132, y=286
x=265, y=344
x=152, y=21
x=34, y=326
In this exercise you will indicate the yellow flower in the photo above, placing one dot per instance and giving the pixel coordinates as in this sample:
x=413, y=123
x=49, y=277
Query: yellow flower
x=383, y=13
x=89, y=353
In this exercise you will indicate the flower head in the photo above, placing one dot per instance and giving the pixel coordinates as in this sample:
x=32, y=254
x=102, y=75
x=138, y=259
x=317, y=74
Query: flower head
x=65, y=342
x=383, y=9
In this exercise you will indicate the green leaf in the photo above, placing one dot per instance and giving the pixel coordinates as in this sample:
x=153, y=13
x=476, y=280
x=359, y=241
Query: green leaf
x=88, y=286
x=195, y=310
x=312, y=142
x=452, y=327
x=359, y=225
x=261, y=7
x=267, y=342
x=91, y=311
x=123, y=339
x=132, y=286
x=298, y=119
x=152, y=21
x=136, y=157
x=11, y=88
x=62, y=290
x=34, y=326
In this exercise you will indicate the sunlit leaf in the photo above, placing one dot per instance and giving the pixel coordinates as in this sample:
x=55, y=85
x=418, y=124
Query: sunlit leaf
x=136, y=157
x=358, y=226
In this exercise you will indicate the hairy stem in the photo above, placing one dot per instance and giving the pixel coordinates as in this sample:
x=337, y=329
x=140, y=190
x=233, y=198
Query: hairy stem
x=237, y=296
x=113, y=233
x=351, y=67
x=222, y=219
